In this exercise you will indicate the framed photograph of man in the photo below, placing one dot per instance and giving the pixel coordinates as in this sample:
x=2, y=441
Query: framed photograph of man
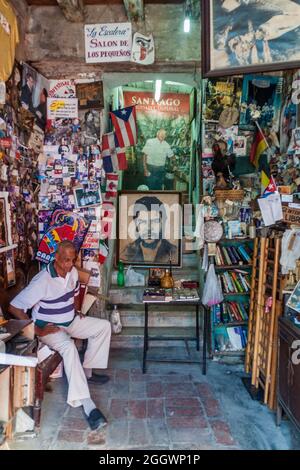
x=149, y=228
x=242, y=36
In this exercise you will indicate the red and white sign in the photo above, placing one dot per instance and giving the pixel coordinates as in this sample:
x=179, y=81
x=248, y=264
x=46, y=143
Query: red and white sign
x=107, y=42
x=171, y=105
x=62, y=89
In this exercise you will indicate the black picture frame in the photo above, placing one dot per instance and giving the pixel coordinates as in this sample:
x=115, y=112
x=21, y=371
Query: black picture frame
x=90, y=95
x=129, y=250
x=234, y=56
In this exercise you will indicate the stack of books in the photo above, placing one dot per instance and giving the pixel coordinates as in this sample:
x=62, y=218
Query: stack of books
x=185, y=294
x=228, y=255
x=232, y=339
x=230, y=312
x=154, y=295
x=170, y=295
x=236, y=281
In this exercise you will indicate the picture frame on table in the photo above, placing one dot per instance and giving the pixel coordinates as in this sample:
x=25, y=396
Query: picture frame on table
x=241, y=37
x=149, y=228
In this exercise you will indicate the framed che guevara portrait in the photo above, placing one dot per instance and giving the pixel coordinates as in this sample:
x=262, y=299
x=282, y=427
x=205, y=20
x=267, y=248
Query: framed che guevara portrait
x=246, y=36
x=149, y=228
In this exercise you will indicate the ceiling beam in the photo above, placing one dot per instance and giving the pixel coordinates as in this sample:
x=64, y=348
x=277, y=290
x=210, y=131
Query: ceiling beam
x=73, y=10
x=103, y=2
x=134, y=9
x=75, y=68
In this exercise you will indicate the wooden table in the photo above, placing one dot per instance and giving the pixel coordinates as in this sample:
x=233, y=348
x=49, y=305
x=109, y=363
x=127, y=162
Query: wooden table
x=196, y=338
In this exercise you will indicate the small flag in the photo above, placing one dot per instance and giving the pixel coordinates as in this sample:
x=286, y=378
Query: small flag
x=258, y=147
x=114, y=157
x=107, y=218
x=112, y=180
x=103, y=252
x=124, y=122
x=265, y=179
x=271, y=187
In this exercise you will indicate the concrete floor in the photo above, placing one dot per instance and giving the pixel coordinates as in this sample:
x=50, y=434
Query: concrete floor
x=173, y=406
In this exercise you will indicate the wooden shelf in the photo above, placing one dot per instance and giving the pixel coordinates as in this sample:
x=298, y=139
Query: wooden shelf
x=233, y=266
x=236, y=293
x=247, y=239
x=234, y=323
x=238, y=352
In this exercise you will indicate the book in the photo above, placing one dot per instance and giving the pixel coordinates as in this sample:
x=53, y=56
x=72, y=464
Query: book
x=245, y=256
x=231, y=256
x=237, y=255
x=235, y=338
x=226, y=256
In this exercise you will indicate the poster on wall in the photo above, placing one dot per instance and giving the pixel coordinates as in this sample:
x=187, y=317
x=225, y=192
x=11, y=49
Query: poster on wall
x=142, y=49
x=65, y=225
x=62, y=89
x=107, y=42
x=90, y=126
x=34, y=93
x=163, y=147
x=66, y=108
x=90, y=95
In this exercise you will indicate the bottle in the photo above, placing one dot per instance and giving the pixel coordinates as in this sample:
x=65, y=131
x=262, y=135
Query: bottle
x=252, y=229
x=121, y=276
x=115, y=321
x=166, y=281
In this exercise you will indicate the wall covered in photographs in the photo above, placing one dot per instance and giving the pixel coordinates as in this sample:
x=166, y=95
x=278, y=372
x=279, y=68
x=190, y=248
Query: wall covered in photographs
x=164, y=135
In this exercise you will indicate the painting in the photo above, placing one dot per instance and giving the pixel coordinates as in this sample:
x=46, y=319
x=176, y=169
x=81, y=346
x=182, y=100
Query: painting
x=33, y=94
x=261, y=95
x=162, y=153
x=149, y=228
x=242, y=36
x=90, y=95
x=64, y=225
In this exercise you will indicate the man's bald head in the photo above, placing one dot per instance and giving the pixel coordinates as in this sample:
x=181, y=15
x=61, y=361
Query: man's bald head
x=65, y=245
x=65, y=258
x=161, y=134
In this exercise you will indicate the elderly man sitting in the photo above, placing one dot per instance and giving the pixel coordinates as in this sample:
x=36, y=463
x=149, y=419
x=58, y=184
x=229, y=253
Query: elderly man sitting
x=54, y=296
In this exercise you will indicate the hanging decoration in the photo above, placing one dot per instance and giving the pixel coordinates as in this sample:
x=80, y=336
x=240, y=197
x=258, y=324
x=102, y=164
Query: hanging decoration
x=143, y=50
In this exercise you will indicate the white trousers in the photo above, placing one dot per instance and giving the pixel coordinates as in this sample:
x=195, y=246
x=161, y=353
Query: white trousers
x=98, y=333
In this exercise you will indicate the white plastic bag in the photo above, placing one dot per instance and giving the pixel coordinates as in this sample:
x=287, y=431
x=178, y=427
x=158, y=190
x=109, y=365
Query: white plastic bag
x=212, y=292
x=132, y=278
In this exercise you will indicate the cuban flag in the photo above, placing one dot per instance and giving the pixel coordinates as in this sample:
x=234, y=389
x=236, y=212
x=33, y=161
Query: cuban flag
x=124, y=122
x=114, y=157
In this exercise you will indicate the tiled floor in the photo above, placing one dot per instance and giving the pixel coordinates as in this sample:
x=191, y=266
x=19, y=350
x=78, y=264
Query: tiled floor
x=173, y=406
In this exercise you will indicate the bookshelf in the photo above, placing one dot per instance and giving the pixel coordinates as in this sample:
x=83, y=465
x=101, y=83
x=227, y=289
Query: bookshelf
x=229, y=320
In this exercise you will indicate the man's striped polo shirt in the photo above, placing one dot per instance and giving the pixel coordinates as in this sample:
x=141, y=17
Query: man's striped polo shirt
x=51, y=296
